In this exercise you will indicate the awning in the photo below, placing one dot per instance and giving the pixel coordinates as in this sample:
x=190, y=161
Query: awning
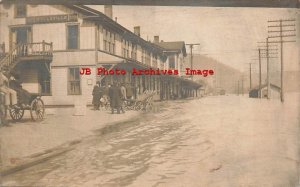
x=130, y=64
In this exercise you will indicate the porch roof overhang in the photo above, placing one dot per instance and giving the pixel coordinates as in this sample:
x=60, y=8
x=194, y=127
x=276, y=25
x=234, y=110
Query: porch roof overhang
x=125, y=64
x=129, y=64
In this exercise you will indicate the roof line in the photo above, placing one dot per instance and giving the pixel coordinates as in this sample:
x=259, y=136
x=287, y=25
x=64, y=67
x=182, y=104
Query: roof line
x=78, y=6
x=98, y=14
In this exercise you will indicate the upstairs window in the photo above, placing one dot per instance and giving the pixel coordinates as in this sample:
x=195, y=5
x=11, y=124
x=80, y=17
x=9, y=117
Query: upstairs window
x=133, y=51
x=154, y=61
x=148, y=58
x=108, y=41
x=125, y=48
x=72, y=37
x=20, y=11
x=172, y=62
x=143, y=55
x=162, y=65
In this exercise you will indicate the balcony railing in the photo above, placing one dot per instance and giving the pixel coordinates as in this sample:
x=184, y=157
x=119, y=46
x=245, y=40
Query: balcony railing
x=35, y=49
x=26, y=50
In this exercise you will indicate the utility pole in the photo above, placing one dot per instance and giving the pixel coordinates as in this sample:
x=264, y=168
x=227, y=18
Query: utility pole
x=191, y=48
x=288, y=31
x=268, y=68
x=238, y=88
x=250, y=70
x=243, y=86
x=259, y=61
x=268, y=57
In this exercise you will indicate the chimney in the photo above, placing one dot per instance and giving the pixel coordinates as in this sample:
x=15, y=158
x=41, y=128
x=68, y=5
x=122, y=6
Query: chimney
x=108, y=11
x=156, y=39
x=137, y=30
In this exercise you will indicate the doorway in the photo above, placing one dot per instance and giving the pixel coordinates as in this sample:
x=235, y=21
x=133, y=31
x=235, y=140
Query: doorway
x=20, y=35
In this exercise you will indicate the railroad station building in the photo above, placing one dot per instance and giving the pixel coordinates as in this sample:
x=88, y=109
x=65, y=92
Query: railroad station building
x=49, y=44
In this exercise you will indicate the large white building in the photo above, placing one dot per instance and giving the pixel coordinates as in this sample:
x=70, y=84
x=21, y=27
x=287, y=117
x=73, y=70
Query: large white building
x=49, y=44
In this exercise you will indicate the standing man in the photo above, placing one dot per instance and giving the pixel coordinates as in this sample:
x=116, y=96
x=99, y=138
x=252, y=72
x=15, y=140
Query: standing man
x=7, y=97
x=10, y=94
x=123, y=91
x=96, y=96
x=24, y=97
x=124, y=96
x=129, y=92
x=115, y=96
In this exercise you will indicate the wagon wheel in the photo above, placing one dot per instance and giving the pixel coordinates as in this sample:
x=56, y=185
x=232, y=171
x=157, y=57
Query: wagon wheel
x=3, y=114
x=107, y=106
x=16, y=113
x=148, y=107
x=37, y=109
x=125, y=105
x=139, y=106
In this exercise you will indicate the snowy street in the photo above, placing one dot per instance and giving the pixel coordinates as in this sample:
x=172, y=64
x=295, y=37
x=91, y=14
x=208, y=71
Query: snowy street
x=227, y=141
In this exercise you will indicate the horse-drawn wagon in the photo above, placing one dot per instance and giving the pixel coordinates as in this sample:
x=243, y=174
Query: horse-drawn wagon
x=32, y=60
x=16, y=110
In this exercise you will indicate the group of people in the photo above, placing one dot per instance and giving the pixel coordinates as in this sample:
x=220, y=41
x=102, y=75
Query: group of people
x=117, y=94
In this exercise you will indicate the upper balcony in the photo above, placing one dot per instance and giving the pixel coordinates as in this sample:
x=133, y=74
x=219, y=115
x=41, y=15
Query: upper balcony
x=27, y=52
x=40, y=51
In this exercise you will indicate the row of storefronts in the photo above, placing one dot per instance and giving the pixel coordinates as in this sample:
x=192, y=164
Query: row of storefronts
x=50, y=44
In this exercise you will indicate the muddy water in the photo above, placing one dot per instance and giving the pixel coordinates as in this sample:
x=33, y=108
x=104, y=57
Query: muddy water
x=157, y=147
x=207, y=142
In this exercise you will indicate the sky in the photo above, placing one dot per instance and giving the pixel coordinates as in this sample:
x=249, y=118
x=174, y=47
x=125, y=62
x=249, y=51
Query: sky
x=229, y=35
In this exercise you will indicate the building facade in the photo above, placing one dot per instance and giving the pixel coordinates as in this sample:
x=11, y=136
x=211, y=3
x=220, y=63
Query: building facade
x=50, y=44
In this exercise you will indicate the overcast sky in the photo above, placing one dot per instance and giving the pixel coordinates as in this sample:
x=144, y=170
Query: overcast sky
x=229, y=35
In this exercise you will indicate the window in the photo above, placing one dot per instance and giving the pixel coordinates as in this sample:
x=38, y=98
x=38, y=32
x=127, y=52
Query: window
x=108, y=41
x=46, y=87
x=172, y=62
x=143, y=55
x=133, y=51
x=162, y=65
x=125, y=48
x=73, y=37
x=45, y=82
x=154, y=61
x=74, y=82
x=20, y=11
x=148, y=58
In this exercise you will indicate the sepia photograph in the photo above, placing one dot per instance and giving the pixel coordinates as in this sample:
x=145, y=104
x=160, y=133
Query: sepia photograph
x=149, y=94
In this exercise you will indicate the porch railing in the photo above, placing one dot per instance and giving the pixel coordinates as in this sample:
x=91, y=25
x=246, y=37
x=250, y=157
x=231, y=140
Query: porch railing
x=35, y=49
x=26, y=49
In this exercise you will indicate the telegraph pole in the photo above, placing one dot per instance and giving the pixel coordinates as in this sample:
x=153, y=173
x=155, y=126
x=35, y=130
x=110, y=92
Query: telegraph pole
x=268, y=57
x=268, y=68
x=238, y=88
x=250, y=77
x=243, y=86
x=288, y=31
x=250, y=74
x=250, y=70
x=191, y=48
x=259, y=61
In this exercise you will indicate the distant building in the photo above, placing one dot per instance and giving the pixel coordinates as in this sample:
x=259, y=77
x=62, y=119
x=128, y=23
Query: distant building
x=263, y=92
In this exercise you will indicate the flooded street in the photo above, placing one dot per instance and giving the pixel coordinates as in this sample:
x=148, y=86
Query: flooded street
x=214, y=141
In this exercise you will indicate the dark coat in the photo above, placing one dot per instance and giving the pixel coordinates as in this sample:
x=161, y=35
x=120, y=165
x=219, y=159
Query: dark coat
x=123, y=91
x=129, y=92
x=115, y=96
x=96, y=95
